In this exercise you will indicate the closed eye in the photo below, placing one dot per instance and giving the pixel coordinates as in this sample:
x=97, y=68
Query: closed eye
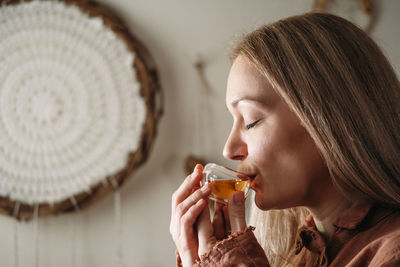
x=251, y=125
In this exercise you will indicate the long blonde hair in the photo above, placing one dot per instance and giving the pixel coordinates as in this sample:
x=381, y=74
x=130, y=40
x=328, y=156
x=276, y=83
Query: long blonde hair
x=344, y=91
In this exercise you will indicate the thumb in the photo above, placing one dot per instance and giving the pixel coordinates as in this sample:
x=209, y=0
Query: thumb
x=237, y=213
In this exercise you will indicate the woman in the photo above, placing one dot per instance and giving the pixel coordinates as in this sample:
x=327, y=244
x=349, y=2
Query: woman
x=315, y=106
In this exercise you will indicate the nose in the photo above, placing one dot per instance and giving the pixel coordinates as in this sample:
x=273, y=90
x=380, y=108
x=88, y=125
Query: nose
x=235, y=148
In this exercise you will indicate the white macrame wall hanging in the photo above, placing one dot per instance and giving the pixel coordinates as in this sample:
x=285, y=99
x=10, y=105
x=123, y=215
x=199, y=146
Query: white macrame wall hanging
x=78, y=109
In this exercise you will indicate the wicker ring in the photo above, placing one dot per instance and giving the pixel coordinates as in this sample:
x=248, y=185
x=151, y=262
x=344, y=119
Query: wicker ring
x=78, y=105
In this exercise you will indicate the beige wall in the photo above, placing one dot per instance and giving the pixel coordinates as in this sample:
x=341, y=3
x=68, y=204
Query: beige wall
x=175, y=32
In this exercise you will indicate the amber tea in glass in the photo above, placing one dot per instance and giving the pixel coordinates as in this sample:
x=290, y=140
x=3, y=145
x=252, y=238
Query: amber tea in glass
x=224, y=182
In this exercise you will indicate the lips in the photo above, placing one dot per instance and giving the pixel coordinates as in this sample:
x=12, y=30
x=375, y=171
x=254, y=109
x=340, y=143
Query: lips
x=252, y=179
x=251, y=176
x=248, y=171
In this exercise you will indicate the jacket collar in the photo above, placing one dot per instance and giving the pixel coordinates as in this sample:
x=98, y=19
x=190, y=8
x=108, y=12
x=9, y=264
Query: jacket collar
x=309, y=237
x=353, y=216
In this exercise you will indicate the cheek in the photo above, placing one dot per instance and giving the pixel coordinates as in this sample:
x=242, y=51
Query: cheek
x=261, y=150
x=273, y=146
x=290, y=166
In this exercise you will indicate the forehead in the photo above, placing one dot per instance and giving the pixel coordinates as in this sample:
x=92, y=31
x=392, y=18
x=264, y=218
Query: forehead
x=246, y=82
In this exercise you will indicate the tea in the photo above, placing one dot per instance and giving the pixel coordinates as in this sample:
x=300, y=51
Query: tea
x=224, y=182
x=224, y=189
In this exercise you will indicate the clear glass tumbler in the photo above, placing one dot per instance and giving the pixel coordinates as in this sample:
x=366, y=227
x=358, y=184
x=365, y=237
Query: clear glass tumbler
x=224, y=182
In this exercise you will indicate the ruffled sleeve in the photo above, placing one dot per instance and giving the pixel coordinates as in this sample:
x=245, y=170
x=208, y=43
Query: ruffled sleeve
x=178, y=259
x=239, y=249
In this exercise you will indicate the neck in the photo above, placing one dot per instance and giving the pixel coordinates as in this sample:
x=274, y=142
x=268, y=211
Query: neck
x=327, y=211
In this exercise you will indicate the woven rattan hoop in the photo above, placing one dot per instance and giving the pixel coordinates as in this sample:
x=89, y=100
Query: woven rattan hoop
x=150, y=91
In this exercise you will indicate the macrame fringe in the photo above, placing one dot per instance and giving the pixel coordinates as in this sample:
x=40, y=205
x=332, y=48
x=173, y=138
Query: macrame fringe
x=16, y=247
x=74, y=203
x=72, y=230
x=117, y=223
x=72, y=241
x=36, y=234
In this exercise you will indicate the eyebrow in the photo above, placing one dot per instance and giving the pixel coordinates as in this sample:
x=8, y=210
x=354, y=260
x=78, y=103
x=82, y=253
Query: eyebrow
x=235, y=102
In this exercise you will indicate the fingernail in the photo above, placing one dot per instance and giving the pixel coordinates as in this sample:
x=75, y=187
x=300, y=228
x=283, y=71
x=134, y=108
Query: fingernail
x=197, y=169
x=205, y=188
x=238, y=198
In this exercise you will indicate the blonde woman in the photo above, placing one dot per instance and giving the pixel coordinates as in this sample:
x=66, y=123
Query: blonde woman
x=315, y=108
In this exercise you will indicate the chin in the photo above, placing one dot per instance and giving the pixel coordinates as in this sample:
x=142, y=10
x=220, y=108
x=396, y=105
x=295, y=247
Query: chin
x=260, y=203
x=267, y=204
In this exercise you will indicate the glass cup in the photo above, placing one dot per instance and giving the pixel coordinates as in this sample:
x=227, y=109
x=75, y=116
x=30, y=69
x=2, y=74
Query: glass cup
x=224, y=182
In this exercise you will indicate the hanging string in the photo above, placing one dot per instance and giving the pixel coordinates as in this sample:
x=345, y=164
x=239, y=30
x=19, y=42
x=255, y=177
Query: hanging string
x=117, y=222
x=198, y=148
x=74, y=203
x=209, y=122
x=72, y=239
x=72, y=230
x=118, y=226
x=205, y=114
x=36, y=233
x=113, y=183
x=16, y=248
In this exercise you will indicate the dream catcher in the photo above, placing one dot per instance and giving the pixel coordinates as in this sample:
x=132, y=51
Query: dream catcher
x=203, y=137
x=360, y=12
x=78, y=109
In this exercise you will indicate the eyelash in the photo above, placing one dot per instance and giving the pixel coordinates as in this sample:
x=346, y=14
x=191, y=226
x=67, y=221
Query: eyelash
x=251, y=125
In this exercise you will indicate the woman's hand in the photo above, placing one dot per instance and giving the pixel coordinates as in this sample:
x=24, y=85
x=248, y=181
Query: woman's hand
x=227, y=219
x=237, y=212
x=187, y=204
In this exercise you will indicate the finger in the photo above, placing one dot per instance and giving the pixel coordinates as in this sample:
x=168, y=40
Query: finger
x=225, y=212
x=205, y=232
x=186, y=188
x=191, y=200
x=219, y=222
x=182, y=208
x=237, y=214
x=187, y=239
x=188, y=220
